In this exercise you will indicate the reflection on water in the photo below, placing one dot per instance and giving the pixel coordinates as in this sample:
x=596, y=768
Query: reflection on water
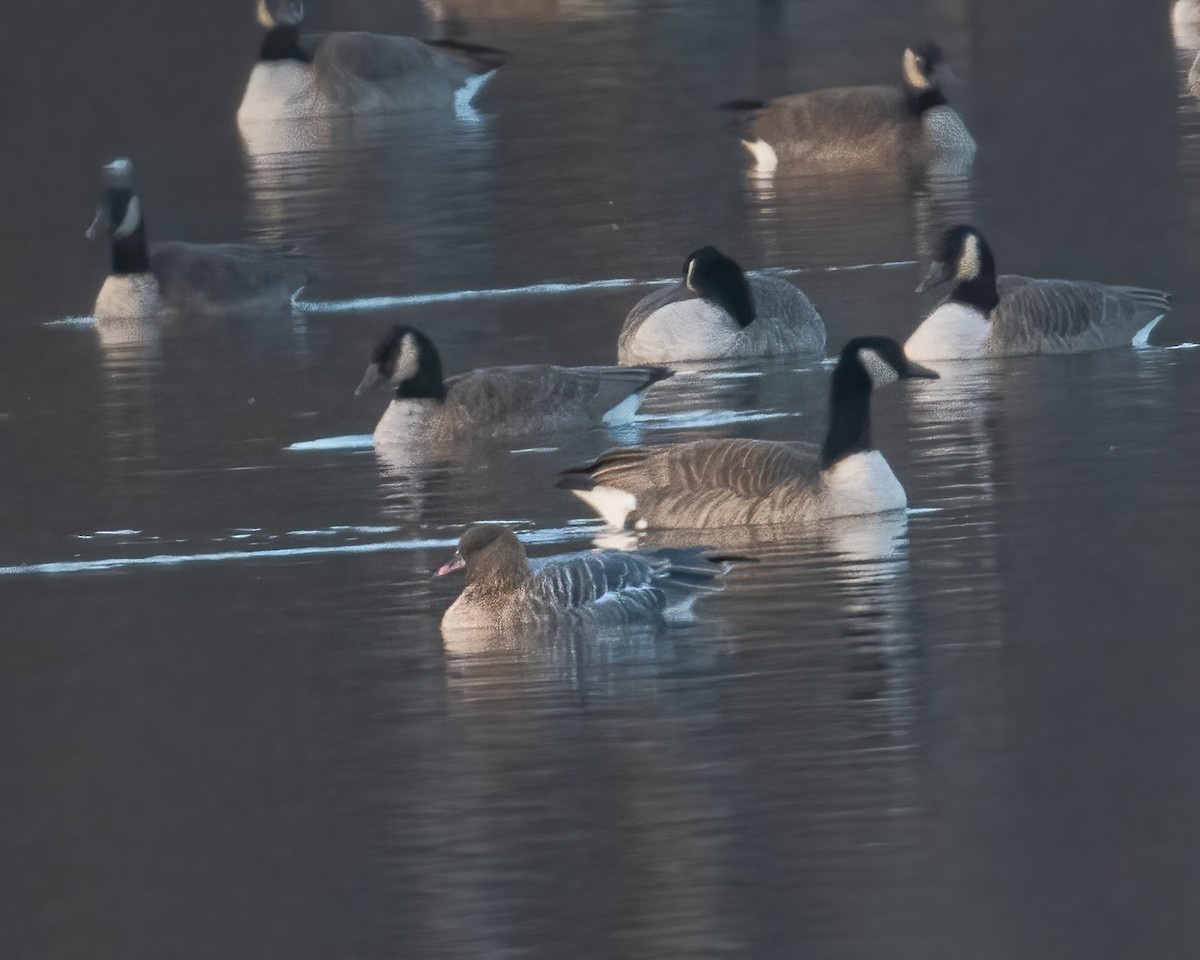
x=234, y=727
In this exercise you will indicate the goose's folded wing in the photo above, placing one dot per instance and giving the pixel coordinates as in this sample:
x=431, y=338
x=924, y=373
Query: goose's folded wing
x=1057, y=315
x=746, y=469
x=550, y=392
x=576, y=581
x=379, y=58
x=830, y=116
x=228, y=269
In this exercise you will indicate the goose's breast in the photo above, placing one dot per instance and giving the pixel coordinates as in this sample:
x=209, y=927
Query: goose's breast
x=128, y=296
x=860, y=484
x=685, y=330
x=279, y=90
x=952, y=332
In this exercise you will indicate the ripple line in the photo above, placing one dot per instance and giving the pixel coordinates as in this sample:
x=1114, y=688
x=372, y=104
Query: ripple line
x=538, y=289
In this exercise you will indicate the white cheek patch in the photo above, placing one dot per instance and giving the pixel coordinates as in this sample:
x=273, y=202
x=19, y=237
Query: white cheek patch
x=879, y=370
x=691, y=270
x=409, y=361
x=912, y=73
x=131, y=221
x=968, y=261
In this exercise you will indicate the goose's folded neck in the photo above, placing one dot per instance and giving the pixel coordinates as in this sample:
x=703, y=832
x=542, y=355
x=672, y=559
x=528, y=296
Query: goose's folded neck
x=849, y=414
x=720, y=281
x=921, y=100
x=282, y=43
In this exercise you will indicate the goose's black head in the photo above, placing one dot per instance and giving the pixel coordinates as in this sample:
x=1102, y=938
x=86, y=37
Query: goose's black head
x=492, y=557
x=719, y=280
x=864, y=363
x=282, y=19
x=407, y=360
x=965, y=259
x=121, y=213
x=922, y=81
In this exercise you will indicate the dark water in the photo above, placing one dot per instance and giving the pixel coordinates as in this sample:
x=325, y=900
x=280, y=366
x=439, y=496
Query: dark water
x=229, y=726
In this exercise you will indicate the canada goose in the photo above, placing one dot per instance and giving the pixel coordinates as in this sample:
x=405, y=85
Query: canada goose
x=186, y=277
x=719, y=483
x=343, y=74
x=598, y=588
x=986, y=316
x=495, y=402
x=716, y=312
x=911, y=127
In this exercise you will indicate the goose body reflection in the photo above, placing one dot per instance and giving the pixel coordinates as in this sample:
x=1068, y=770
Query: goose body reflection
x=504, y=590
x=1012, y=316
x=149, y=280
x=429, y=413
x=907, y=128
x=716, y=312
x=734, y=482
x=345, y=74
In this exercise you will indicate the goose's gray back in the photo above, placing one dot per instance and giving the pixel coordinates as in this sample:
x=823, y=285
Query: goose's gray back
x=841, y=126
x=356, y=73
x=786, y=322
x=725, y=482
x=609, y=587
x=508, y=402
x=598, y=589
x=204, y=276
x=1069, y=316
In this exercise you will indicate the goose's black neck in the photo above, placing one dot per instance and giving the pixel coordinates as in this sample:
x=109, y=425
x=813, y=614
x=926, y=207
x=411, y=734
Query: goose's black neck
x=980, y=290
x=849, y=412
x=921, y=100
x=283, y=43
x=720, y=281
x=427, y=383
x=129, y=253
x=736, y=300
x=421, y=390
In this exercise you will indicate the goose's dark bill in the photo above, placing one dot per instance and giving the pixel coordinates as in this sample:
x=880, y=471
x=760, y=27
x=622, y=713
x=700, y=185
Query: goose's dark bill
x=372, y=378
x=453, y=565
x=937, y=274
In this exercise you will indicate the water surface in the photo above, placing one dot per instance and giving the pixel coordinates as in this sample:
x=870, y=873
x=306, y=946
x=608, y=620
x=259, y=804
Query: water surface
x=231, y=726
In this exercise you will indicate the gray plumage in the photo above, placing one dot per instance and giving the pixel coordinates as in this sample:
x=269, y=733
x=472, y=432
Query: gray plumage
x=735, y=482
x=354, y=73
x=357, y=73
x=147, y=280
x=718, y=312
x=1069, y=316
x=211, y=277
x=907, y=129
x=716, y=483
x=842, y=126
x=493, y=402
x=508, y=402
x=787, y=323
x=990, y=316
x=504, y=590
